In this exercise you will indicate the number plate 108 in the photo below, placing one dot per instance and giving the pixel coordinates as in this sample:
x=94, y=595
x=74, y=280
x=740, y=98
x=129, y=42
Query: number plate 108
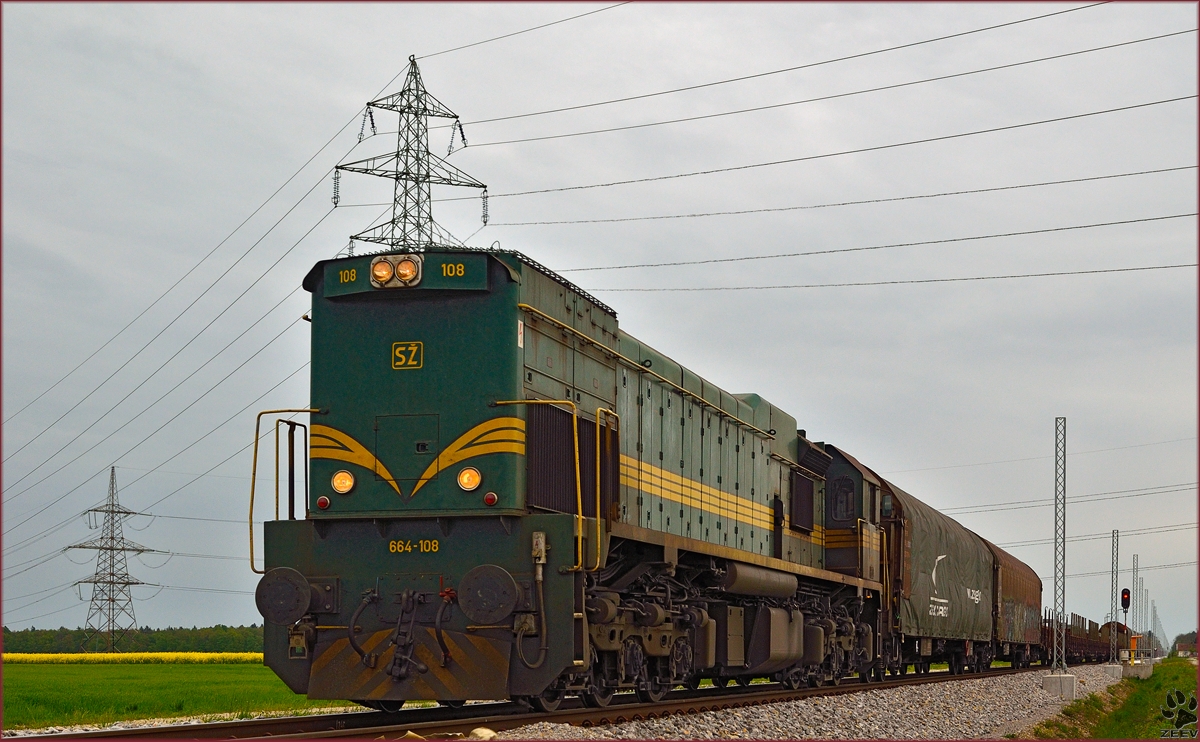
x=423, y=546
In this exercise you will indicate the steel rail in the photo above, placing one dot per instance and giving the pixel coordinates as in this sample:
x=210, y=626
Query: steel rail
x=500, y=716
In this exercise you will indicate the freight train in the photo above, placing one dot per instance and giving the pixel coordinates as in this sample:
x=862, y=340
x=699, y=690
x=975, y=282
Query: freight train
x=512, y=498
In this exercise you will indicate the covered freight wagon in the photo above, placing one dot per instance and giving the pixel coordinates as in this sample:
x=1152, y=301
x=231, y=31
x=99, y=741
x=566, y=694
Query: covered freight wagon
x=945, y=576
x=1018, y=608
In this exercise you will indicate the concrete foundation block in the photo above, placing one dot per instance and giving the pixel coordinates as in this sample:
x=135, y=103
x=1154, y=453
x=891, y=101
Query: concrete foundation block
x=1062, y=686
x=1141, y=671
x=1114, y=671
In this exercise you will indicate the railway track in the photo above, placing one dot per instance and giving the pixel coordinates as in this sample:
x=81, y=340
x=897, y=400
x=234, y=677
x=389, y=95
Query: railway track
x=500, y=716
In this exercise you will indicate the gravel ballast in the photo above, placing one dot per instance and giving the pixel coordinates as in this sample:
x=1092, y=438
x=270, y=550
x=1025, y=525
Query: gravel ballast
x=983, y=707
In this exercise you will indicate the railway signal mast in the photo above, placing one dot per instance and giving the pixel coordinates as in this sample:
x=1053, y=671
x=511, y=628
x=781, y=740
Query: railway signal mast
x=414, y=169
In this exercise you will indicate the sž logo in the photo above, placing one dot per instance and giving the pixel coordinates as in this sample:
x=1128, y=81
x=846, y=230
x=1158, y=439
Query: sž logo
x=1180, y=710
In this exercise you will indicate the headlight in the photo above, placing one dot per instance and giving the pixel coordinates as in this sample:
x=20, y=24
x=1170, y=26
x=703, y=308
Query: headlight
x=381, y=271
x=469, y=478
x=406, y=270
x=343, y=482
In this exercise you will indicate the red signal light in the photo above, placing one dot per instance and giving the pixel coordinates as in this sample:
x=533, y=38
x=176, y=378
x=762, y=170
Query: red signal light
x=322, y=502
x=1125, y=599
x=490, y=499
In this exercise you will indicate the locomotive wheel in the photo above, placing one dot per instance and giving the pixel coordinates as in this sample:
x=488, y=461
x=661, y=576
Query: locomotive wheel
x=793, y=679
x=387, y=707
x=597, y=697
x=453, y=704
x=743, y=680
x=903, y=669
x=692, y=682
x=653, y=692
x=722, y=681
x=549, y=700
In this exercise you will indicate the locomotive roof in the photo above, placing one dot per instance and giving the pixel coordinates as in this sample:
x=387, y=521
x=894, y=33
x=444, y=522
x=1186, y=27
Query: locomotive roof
x=310, y=280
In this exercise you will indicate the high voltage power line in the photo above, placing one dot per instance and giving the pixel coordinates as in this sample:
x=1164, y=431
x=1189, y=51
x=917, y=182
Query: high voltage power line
x=523, y=31
x=11, y=548
x=782, y=70
x=825, y=155
x=907, y=281
x=211, y=357
x=834, y=204
x=748, y=258
x=773, y=106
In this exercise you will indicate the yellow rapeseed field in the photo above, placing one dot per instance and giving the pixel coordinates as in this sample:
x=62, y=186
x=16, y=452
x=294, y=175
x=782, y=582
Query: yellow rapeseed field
x=135, y=658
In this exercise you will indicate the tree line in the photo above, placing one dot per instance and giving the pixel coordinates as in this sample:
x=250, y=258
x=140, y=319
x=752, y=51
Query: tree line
x=219, y=638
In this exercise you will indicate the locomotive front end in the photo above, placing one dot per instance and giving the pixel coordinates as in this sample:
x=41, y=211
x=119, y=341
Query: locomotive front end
x=415, y=571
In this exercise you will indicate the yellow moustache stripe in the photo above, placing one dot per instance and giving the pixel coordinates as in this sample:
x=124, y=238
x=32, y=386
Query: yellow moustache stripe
x=329, y=443
x=498, y=435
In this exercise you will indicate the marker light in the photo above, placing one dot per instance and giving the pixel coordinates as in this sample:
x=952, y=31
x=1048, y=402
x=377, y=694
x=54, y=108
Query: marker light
x=490, y=499
x=469, y=478
x=406, y=270
x=381, y=271
x=322, y=502
x=343, y=482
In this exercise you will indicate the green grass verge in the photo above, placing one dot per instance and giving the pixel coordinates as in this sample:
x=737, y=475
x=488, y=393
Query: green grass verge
x=1138, y=716
x=56, y=695
x=1126, y=710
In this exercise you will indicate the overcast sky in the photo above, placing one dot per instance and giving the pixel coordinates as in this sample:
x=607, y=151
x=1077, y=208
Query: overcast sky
x=138, y=138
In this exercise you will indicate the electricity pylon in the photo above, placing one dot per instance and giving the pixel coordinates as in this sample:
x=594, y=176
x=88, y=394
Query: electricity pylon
x=110, y=615
x=414, y=169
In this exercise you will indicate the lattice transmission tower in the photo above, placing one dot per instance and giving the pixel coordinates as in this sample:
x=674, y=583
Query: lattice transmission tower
x=1113, y=600
x=1059, y=657
x=110, y=614
x=414, y=169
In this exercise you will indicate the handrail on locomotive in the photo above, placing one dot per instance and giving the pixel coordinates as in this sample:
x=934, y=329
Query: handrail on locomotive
x=291, y=469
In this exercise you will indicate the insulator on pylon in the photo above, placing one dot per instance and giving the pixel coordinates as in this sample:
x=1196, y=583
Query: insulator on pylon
x=485, y=210
x=372, y=117
x=350, y=248
x=461, y=132
x=337, y=196
x=362, y=128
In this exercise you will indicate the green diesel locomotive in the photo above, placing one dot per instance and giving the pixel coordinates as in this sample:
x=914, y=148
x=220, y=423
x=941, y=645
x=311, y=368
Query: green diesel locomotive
x=512, y=498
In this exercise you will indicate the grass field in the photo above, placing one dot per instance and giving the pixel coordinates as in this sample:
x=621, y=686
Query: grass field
x=41, y=695
x=134, y=658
